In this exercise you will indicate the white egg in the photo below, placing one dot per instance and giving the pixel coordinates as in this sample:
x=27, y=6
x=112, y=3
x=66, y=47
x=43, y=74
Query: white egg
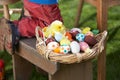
x=75, y=47
x=52, y=45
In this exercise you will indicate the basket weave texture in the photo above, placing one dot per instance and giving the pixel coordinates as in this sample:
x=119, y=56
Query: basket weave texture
x=70, y=58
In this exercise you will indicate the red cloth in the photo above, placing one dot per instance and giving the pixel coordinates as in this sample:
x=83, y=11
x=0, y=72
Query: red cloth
x=41, y=15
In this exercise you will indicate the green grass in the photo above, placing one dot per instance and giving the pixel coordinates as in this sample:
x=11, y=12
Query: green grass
x=88, y=18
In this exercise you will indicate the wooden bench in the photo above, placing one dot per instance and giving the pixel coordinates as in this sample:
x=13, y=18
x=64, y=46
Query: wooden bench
x=27, y=56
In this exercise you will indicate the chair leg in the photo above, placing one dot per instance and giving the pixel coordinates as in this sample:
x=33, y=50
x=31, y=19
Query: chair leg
x=102, y=9
x=6, y=12
x=80, y=6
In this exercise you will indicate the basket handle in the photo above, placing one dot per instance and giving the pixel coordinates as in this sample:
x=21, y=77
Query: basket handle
x=39, y=39
x=101, y=43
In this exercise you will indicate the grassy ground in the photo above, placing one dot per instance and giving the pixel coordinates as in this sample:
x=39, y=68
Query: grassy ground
x=68, y=11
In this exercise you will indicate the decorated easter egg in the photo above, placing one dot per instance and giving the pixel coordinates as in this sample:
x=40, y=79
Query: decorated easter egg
x=49, y=40
x=68, y=35
x=75, y=47
x=65, y=41
x=83, y=46
x=52, y=45
x=75, y=29
x=95, y=31
x=85, y=30
x=57, y=50
x=90, y=40
x=80, y=37
x=58, y=36
x=74, y=33
x=89, y=33
x=64, y=49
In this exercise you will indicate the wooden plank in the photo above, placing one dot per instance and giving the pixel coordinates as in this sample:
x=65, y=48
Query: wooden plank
x=114, y=3
x=92, y=2
x=78, y=71
x=5, y=2
x=27, y=51
x=22, y=69
x=15, y=10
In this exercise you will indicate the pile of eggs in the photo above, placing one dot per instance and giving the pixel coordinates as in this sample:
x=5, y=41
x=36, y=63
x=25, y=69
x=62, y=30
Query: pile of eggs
x=73, y=41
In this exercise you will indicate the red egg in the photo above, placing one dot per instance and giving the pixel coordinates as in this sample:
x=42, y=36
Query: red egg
x=90, y=40
x=74, y=33
x=49, y=40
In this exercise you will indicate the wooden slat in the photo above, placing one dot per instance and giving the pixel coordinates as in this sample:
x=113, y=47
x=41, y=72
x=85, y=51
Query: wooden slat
x=5, y=2
x=114, y=3
x=93, y=2
x=15, y=10
x=27, y=51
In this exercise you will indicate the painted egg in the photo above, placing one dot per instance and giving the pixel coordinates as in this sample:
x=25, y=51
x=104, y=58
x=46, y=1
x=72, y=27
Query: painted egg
x=49, y=40
x=52, y=45
x=64, y=49
x=68, y=35
x=57, y=50
x=65, y=41
x=96, y=31
x=83, y=46
x=90, y=40
x=89, y=33
x=80, y=37
x=58, y=36
x=75, y=47
x=74, y=33
x=75, y=29
x=85, y=30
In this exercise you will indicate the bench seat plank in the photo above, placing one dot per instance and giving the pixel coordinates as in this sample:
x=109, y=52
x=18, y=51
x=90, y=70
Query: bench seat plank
x=27, y=51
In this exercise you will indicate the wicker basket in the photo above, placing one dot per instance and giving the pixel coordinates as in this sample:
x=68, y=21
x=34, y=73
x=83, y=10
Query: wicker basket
x=70, y=58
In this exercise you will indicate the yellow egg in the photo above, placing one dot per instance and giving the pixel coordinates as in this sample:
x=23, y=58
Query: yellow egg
x=85, y=30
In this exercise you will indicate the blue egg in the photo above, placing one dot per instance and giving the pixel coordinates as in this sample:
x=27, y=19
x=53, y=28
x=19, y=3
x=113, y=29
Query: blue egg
x=80, y=37
x=58, y=36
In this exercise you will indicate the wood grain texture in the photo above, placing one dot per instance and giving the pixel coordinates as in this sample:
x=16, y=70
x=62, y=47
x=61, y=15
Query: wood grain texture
x=6, y=2
x=78, y=71
x=27, y=51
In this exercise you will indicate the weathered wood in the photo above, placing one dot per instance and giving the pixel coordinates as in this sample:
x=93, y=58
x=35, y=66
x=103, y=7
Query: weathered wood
x=80, y=6
x=6, y=2
x=6, y=12
x=15, y=10
x=5, y=7
x=114, y=3
x=22, y=68
x=81, y=71
x=102, y=14
x=27, y=51
x=92, y=2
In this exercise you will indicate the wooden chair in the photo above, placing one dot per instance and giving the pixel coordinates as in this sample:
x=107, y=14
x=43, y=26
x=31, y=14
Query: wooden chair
x=102, y=9
x=5, y=9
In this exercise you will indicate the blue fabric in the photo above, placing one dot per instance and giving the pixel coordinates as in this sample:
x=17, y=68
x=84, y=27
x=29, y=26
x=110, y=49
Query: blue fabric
x=44, y=1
